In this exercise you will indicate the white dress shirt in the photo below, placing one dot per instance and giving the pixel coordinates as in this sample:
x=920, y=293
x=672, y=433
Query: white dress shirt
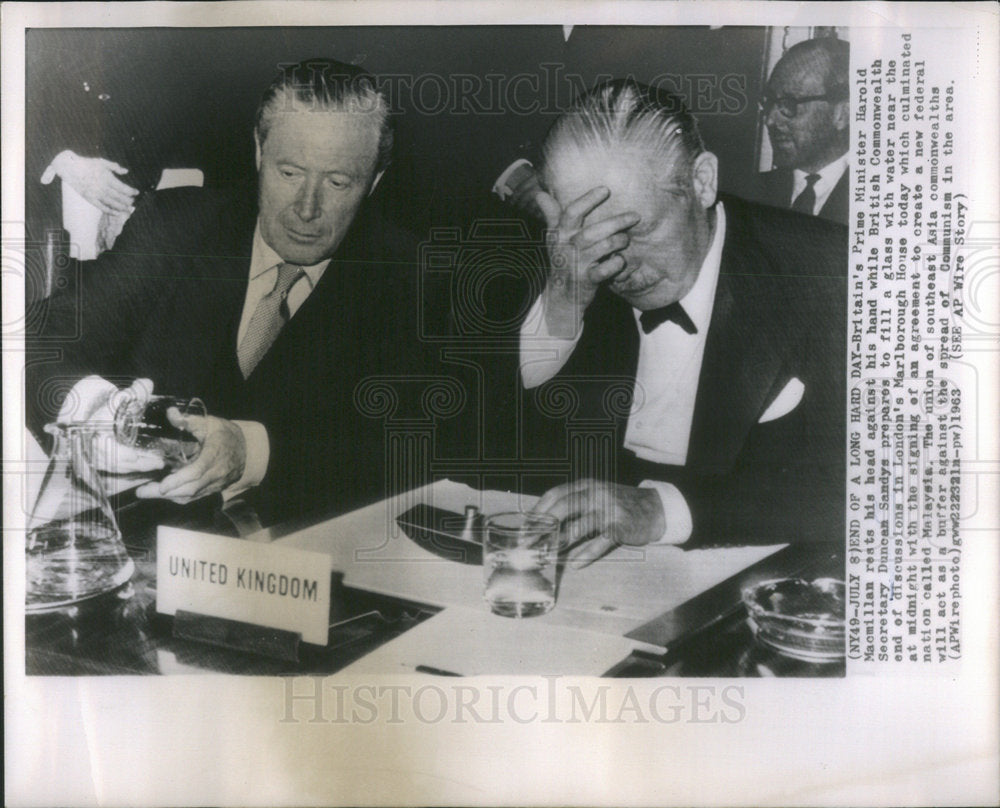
x=264, y=263
x=829, y=176
x=666, y=384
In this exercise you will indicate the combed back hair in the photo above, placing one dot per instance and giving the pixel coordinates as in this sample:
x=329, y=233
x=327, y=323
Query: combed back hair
x=621, y=115
x=834, y=54
x=327, y=85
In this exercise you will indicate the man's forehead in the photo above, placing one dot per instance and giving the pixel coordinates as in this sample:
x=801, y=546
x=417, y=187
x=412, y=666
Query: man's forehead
x=802, y=73
x=334, y=125
x=320, y=133
x=635, y=175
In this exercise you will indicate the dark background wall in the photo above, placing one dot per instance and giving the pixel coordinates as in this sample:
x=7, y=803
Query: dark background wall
x=470, y=98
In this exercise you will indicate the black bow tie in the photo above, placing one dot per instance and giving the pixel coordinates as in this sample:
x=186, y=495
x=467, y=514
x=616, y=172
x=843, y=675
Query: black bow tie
x=674, y=313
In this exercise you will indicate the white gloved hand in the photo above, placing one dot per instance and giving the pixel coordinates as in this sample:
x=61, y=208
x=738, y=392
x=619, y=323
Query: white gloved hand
x=95, y=179
x=94, y=401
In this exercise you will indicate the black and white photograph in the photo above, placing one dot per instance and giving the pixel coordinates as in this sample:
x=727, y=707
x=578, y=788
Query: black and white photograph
x=499, y=378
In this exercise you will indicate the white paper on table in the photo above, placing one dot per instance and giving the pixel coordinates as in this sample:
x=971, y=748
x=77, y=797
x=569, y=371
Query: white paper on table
x=619, y=593
x=473, y=642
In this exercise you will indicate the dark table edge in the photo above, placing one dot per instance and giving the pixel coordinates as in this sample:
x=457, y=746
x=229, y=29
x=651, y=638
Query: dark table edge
x=724, y=600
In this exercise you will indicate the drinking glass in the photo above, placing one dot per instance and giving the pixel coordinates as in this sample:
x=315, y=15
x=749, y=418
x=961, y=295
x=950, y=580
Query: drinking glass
x=519, y=563
x=143, y=424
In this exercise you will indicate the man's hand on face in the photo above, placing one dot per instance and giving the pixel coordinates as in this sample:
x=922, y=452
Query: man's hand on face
x=219, y=465
x=580, y=257
x=597, y=516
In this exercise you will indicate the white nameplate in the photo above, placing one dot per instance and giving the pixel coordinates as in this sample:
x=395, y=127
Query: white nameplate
x=263, y=584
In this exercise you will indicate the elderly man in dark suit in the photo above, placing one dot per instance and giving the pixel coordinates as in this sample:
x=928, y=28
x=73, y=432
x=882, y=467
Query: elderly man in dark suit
x=806, y=109
x=726, y=319
x=272, y=310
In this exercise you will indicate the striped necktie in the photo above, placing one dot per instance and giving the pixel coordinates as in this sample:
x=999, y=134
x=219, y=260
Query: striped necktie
x=268, y=319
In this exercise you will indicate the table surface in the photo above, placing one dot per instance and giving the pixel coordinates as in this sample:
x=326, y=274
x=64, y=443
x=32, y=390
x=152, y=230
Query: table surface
x=397, y=607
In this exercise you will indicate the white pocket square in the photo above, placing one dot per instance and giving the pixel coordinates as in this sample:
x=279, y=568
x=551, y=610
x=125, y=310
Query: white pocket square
x=788, y=399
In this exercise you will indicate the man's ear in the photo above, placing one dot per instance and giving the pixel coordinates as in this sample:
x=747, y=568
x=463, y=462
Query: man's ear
x=375, y=182
x=705, y=178
x=842, y=115
x=256, y=148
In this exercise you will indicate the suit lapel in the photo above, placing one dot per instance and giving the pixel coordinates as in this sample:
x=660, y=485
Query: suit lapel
x=779, y=184
x=350, y=288
x=740, y=364
x=243, y=256
x=835, y=207
x=231, y=265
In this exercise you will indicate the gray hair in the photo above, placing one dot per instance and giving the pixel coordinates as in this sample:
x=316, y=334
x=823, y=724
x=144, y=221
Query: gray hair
x=625, y=113
x=327, y=84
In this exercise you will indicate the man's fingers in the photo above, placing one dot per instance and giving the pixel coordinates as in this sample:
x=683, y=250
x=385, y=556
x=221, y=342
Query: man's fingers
x=588, y=552
x=550, y=209
x=197, y=425
x=599, y=231
x=585, y=525
x=605, y=269
x=188, y=482
x=128, y=459
x=194, y=489
x=187, y=474
x=153, y=491
x=576, y=502
x=612, y=244
x=580, y=208
x=549, y=497
x=116, y=458
x=553, y=495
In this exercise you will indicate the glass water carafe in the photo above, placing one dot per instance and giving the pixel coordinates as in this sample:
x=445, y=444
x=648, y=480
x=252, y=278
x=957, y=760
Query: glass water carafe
x=74, y=549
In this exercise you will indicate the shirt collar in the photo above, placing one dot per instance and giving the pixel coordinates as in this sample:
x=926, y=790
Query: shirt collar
x=829, y=175
x=700, y=299
x=263, y=259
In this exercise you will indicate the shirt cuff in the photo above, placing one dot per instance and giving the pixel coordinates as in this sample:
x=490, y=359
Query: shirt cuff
x=676, y=513
x=542, y=355
x=500, y=187
x=258, y=454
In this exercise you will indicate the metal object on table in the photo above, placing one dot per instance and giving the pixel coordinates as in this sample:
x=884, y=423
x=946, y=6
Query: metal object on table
x=447, y=534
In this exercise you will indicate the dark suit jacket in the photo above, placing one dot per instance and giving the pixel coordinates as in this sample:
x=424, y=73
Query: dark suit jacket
x=776, y=190
x=779, y=314
x=166, y=303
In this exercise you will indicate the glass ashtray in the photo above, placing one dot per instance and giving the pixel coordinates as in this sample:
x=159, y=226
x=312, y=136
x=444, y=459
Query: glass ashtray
x=800, y=619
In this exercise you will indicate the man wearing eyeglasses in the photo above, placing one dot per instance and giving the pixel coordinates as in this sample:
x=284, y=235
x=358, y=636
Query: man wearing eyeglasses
x=806, y=109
